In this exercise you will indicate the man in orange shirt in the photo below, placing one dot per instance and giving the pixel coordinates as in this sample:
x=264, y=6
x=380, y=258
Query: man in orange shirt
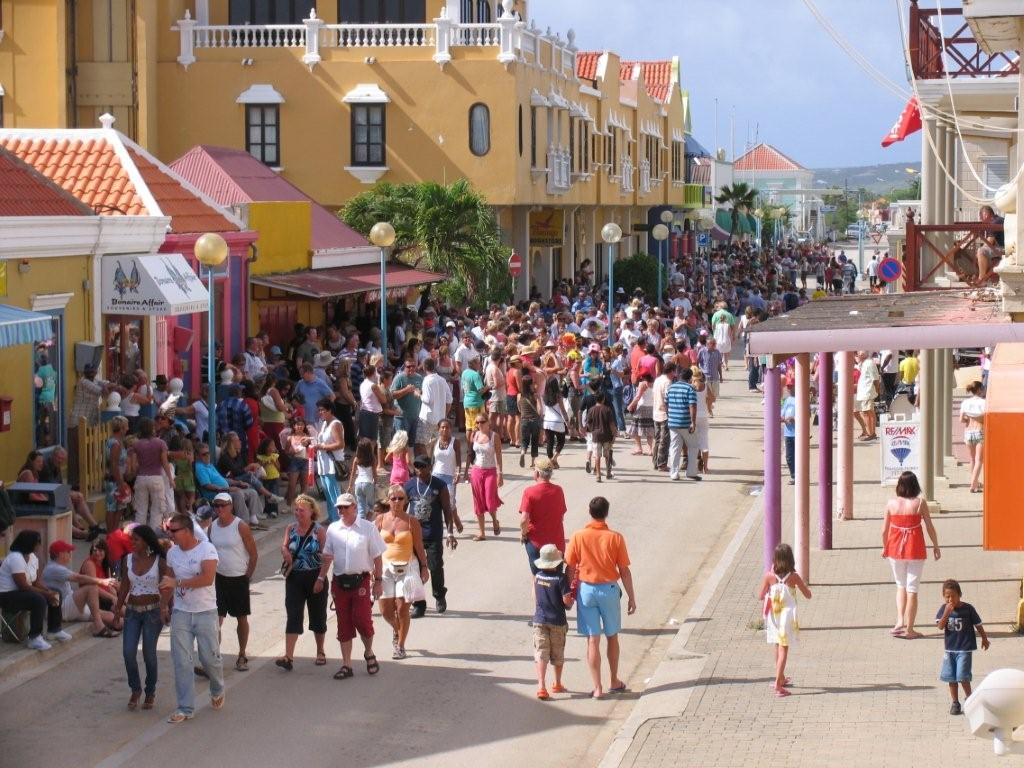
x=599, y=558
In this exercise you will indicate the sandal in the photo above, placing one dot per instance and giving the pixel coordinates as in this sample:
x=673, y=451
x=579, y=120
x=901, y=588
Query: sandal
x=180, y=717
x=105, y=632
x=479, y=537
x=496, y=526
x=284, y=663
x=133, y=702
x=543, y=695
x=559, y=688
x=372, y=667
x=242, y=664
x=343, y=674
x=150, y=700
x=321, y=660
x=781, y=693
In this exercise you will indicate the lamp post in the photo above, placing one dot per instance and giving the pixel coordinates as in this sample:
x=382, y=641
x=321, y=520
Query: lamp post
x=611, y=233
x=382, y=234
x=660, y=233
x=759, y=221
x=705, y=223
x=211, y=249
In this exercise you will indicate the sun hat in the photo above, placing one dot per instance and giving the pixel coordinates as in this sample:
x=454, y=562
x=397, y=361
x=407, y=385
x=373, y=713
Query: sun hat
x=550, y=558
x=323, y=359
x=345, y=500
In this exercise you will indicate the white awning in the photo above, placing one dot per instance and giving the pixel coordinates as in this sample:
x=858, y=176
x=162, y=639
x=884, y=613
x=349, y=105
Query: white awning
x=161, y=284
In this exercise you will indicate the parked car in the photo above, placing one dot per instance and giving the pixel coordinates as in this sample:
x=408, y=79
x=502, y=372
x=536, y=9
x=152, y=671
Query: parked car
x=854, y=231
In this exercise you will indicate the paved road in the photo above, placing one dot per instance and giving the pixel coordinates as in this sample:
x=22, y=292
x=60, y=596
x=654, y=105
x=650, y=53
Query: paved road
x=465, y=695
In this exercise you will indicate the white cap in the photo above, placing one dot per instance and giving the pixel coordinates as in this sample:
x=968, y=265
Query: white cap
x=222, y=497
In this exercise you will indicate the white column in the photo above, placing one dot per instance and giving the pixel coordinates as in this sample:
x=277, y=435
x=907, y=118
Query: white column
x=186, y=28
x=942, y=181
x=951, y=140
x=928, y=171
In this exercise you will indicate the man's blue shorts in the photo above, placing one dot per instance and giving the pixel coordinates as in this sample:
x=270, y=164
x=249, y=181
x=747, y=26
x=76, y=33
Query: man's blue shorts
x=597, y=609
x=956, y=667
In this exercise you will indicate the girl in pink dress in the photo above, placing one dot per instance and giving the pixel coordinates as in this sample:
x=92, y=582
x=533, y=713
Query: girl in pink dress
x=398, y=454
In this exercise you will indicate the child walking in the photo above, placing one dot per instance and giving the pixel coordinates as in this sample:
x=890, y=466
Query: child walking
x=553, y=594
x=400, y=457
x=602, y=433
x=958, y=621
x=778, y=591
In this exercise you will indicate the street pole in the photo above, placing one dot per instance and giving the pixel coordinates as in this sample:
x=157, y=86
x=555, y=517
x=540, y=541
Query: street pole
x=211, y=373
x=707, y=278
x=860, y=238
x=661, y=266
x=611, y=284
x=384, y=302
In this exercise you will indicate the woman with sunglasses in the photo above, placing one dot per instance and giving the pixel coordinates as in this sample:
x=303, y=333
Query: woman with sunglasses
x=485, y=476
x=405, y=566
x=139, y=596
x=300, y=551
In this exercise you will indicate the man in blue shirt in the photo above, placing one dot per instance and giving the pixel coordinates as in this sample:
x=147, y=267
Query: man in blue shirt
x=233, y=415
x=789, y=430
x=681, y=404
x=583, y=303
x=245, y=499
x=311, y=390
x=709, y=359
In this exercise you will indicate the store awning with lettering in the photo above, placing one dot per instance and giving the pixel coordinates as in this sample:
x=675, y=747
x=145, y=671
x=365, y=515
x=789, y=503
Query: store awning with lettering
x=347, y=281
x=160, y=284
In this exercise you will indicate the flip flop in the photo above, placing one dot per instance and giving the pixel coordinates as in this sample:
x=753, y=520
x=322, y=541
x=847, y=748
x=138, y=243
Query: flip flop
x=781, y=693
x=344, y=673
x=618, y=689
x=242, y=664
x=497, y=527
x=543, y=695
x=105, y=632
x=897, y=630
x=478, y=537
x=557, y=688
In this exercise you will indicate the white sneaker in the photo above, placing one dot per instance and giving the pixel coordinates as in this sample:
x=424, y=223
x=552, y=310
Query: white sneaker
x=673, y=477
x=38, y=644
x=61, y=636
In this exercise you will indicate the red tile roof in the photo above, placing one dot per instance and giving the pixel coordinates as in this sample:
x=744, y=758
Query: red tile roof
x=89, y=169
x=586, y=64
x=24, y=191
x=233, y=176
x=765, y=157
x=189, y=213
x=657, y=76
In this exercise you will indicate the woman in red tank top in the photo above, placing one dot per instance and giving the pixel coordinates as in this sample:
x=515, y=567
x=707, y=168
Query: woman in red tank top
x=903, y=544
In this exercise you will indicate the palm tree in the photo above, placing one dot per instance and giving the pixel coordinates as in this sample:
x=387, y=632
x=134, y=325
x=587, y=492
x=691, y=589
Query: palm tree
x=740, y=197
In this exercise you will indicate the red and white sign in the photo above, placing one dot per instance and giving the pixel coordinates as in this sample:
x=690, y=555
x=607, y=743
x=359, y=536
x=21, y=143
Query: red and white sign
x=515, y=264
x=909, y=122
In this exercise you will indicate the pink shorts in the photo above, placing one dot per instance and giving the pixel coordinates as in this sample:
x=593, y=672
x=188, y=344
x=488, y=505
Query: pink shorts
x=484, y=483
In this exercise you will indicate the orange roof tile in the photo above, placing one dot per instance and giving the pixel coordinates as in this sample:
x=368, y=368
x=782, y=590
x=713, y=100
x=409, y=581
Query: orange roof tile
x=657, y=76
x=586, y=64
x=188, y=212
x=24, y=191
x=89, y=169
x=765, y=157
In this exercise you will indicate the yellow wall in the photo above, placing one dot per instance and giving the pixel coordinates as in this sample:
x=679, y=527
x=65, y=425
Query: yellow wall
x=58, y=275
x=32, y=64
x=284, y=236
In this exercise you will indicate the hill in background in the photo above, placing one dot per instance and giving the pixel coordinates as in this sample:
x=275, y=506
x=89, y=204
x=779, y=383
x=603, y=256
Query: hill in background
x=879, y=179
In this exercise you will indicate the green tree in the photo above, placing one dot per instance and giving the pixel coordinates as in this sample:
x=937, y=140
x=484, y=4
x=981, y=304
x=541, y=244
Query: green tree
x=740, y=197
x=445, y=228
x=639, y=271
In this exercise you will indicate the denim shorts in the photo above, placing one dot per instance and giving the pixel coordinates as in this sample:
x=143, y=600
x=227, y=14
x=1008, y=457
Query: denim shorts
x=598, y=611
x=956, y=667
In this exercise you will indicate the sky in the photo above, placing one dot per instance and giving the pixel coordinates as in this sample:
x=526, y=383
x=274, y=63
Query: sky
x=767, y=62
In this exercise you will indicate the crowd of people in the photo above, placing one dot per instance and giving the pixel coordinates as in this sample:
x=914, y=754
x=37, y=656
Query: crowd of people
x=365, y=444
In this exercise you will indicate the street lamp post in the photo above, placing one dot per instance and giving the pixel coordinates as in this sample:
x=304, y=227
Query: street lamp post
x=660, y=233
x=705, y=223
x=382, y=234
x=211, y=249
x=611, y=233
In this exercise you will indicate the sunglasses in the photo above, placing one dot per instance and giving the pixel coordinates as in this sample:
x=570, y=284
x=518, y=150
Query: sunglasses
x=397, y=498
x=174, y=530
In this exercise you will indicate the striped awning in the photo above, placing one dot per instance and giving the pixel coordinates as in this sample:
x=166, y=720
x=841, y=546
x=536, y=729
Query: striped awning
x=21, y=326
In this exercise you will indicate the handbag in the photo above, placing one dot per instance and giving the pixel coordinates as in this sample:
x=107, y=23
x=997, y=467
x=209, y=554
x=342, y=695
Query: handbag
x=349, y=581
x=287, y=569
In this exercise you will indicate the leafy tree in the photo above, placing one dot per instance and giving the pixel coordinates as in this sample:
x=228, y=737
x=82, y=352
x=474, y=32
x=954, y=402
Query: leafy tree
x=638, y=271
x=448, y=229
x=740, y=197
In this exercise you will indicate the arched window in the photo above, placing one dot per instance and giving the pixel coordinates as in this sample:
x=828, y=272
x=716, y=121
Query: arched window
x=479, y=130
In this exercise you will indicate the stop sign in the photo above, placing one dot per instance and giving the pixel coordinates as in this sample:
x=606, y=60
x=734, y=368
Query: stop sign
x=515, y=264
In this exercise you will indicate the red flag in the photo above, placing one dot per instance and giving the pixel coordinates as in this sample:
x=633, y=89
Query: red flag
x=908, y=123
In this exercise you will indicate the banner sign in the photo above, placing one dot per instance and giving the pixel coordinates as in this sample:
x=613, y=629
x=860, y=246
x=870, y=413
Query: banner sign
x=901, y=447
x=546, y=227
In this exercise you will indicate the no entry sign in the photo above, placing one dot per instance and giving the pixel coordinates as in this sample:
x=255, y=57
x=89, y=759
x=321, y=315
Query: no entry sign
x=515, y=264
x=889, y=270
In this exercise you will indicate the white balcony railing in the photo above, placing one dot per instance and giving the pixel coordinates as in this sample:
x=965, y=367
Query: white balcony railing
x=626, y=182
x=514, y=40
x=559, y=165
x=645, y=177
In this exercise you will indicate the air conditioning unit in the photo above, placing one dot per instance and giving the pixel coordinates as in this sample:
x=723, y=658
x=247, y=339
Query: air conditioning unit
x=87, y=353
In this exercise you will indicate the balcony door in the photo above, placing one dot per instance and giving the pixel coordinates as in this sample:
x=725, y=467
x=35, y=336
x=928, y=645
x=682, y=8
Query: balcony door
x=476, y=12
x=382, y=11
x=269, y=11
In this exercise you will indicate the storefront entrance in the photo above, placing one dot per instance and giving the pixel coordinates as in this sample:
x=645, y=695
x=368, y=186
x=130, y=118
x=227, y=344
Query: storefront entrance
x=49, y=413
x=124, y=345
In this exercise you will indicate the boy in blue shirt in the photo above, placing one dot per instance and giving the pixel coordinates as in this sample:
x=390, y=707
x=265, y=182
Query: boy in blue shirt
x=552, y=591
x=958, y=620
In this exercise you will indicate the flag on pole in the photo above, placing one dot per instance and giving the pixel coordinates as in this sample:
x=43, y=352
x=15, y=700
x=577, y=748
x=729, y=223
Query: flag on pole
x=909, y=122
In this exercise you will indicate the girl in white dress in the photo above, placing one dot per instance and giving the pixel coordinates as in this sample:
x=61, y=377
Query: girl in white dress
x=778, y=592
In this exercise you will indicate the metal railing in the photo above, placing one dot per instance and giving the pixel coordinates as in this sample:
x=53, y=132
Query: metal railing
x=964, y=57
x=951, y=246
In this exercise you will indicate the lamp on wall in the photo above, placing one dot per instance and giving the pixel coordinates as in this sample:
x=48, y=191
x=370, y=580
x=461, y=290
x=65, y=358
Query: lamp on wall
x=211, y=250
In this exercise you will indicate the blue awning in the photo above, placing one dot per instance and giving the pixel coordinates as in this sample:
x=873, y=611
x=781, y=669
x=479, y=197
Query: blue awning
x=20, y=326
x=694, y=148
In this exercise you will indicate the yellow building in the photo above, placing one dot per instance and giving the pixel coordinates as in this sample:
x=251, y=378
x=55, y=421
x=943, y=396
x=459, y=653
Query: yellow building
x=339, y=94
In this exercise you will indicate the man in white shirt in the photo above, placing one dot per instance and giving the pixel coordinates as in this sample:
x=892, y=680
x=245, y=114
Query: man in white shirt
x=435, y=400
x=889, y=364
x=868, y=387
x=682, y=300
x=192, y=569
x=255, y=365
x=465, y=352
x=873, y=271
x=662, y=436
x=354, y=546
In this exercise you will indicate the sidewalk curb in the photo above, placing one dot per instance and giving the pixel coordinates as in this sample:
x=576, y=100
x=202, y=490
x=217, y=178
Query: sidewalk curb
x=679, y=666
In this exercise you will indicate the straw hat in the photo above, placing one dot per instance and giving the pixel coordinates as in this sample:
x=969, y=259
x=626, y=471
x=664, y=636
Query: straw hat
x=550, y=558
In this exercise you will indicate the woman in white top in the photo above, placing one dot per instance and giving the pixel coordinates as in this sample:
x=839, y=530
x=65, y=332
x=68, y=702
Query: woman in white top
x=370, y=404
x=330, y=448
x=22, y=590
x=139, y=594
x=705, y=410
x=485, y=475
x=448, y=464
x=555, y=419
x=972, y=416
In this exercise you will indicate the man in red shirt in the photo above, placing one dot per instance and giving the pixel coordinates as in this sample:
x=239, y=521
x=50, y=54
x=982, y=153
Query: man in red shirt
x=543, y=509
